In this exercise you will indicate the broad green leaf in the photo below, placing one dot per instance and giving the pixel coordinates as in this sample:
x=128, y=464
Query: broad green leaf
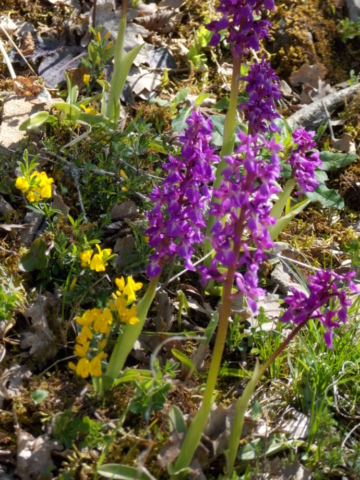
x=35, y=258
x=86, y=101
x=121, y=70
x=71, y=111
x=184, y=359
x=39, y=396
x=181, y=96
x=124, y=472
x=92, y=119
x=286, y=219
x=258, y=448
x=158, y=147
x=132, y=374
x=203, y=96
x=321, y=176
x=34, y=121
x=256, y=410
x=327, y=197
x=218, y=122
x=177, y=420
x=210, y=329
x=179, y=123
x=333, y=161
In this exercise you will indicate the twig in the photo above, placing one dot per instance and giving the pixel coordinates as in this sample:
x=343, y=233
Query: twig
x=57, y=361
x=349, y=435
x=7, y=60
x=18, y=50
x=75, y=175
x=329, y=121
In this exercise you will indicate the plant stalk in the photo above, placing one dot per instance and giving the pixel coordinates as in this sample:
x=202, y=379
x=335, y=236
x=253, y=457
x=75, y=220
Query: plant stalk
x=127, y=339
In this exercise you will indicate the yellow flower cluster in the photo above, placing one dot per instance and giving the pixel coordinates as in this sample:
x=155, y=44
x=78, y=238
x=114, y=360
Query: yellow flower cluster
x=99, y=320
x=38, y=188
x=97, y=261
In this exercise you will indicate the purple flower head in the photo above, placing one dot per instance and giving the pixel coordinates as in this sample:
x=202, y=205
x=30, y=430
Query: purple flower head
x=243, y=198
x=176, y=221
x=238, y=17
x=323, y=287
x=263, y=88
x=304, y=163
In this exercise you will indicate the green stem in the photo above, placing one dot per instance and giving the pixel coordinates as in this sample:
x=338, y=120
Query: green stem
x=228, y=143
x=243, y=401
x=279, y=206
x=197, y=426
x=127, y=339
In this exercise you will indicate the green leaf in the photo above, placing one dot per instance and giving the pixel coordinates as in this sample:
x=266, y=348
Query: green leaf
x=258, y=448
x=181, y=96
x=286, y=219
x=333, y=161
x=71, y=111
x=218, y=122
x=34, y=121
x=179, y=123
x=177, y=420
x=35, y=258
x=203, y=96
x=256, y=410
x=184, y=359
x=327, y=197
x=124, y=472
x=118, y=79
x=39, y=396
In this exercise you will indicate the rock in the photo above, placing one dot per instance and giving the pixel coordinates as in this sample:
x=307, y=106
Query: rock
x=32, y=221
x=5, y=207
x=353, y=7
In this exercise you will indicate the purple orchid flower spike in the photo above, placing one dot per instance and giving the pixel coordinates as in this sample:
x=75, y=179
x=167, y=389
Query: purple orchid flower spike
x=263, y=87
x=177, y=223
x=243, y=199
x=323, y=287
x=245, y=32
x=303, y=162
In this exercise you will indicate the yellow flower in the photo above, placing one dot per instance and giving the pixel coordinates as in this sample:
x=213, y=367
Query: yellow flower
x=45, y=192
x=22, y=184
x=102, y=344
x=107, y=36
x=31, y=197
x=88, y=317
x=81, y=350
x=86, y=79
x=133, y=321
x=89, y=110
x=131, y=288
x=123, y=189
x=123, y=175
x=83, y=368
x=85, y=335
x=85, y=257
x=103, y=321
x=146, y=238
x=120, y=283
x=102, y=75
x=98, y=36
x=95, y=364
x=72, y=284
x=99, y=260
x=130, y=316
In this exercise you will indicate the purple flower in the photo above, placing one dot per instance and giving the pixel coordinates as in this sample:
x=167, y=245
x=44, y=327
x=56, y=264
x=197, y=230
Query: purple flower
x=243, y=198
x=323, y=287
x=238, y=17
x=263, y=88
x=304, y=163
x=176, y=221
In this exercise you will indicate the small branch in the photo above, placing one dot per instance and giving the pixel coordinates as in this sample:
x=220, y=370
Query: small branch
x=75, y=176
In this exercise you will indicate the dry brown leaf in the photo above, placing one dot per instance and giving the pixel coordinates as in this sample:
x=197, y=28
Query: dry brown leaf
x=28, y=45
x=77, y=76
x=308, y=74
x=40, y=339
x=27, y=86
x=32, y=222
x=10, y=226
x=162, y=21
x=297, y=427
x=34, y=455
x=344, y=144
x=164, y=317
x=124, y=210
x=59, y=204
x=144, y=83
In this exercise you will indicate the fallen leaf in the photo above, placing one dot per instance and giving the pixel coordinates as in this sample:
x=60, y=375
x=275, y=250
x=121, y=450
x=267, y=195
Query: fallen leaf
x=344, y=144
x=297, y=427
x=40, y=339
x=10, y=226
x=124, y=210
x=164, y=317
x=59, y=204
x=28, y=45
x=54, y=65
x=162, y=21
x=323, y=89
x=308, y=74
x=27, y=86
x=285, y=469
x=125, y=251
x=160, y=58
x=34, y=455
x=172, y=3
x=32, y=222
x=144, y=83
x=285, y=89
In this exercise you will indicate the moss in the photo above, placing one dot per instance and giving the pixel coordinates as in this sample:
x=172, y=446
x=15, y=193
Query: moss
x=309, y=31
